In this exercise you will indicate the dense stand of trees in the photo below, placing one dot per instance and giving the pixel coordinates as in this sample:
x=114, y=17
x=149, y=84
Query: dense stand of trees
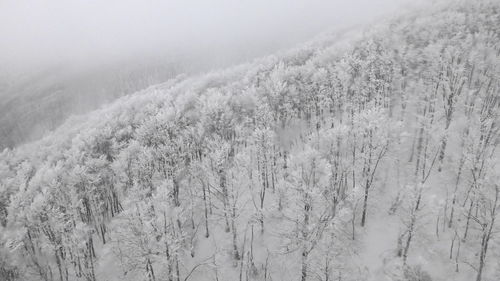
x=276, y=170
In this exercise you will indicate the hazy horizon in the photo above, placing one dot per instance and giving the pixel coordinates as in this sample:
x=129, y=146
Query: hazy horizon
x=80, y=34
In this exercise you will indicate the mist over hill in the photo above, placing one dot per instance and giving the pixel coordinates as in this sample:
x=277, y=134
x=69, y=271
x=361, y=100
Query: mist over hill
x=63, y=58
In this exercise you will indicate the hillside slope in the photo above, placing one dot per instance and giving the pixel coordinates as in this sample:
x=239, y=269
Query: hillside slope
x=356, y=157
x=33, y=104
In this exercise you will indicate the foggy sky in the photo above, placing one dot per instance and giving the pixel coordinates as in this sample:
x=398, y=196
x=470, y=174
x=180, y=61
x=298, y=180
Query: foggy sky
x=34, y=33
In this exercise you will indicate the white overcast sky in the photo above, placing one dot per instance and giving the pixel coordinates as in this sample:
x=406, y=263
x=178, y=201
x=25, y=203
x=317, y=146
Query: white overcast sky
x=36, y=32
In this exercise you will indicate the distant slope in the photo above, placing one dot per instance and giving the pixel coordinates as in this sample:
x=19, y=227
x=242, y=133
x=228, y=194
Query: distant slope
x=34, y=104
x=361, y=156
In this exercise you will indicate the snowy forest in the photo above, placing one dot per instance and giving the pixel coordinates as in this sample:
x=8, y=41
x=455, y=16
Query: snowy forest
x=361, y=155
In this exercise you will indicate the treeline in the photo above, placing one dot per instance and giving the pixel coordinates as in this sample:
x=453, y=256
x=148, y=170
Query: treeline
x=274, y=170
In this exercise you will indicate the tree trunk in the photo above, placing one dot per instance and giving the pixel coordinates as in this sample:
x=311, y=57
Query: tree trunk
x=365, y=206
